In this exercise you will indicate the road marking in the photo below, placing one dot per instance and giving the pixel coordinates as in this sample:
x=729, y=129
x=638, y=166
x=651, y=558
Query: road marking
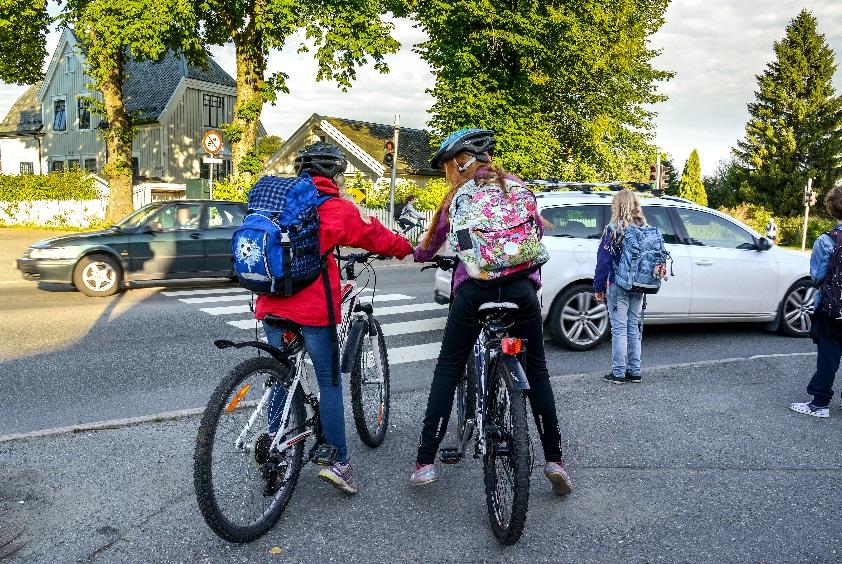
x=413, y=353
x=244, y=323
x=407, y=327
x=231, y=290
x=381, y=311
x=216, y=299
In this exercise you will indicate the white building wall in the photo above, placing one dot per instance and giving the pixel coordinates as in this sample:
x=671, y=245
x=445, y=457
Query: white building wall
x=16, y=150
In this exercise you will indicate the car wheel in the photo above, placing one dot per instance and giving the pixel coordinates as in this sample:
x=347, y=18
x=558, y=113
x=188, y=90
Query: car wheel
x=797, y=309
x=98, y=275
x=577, y=321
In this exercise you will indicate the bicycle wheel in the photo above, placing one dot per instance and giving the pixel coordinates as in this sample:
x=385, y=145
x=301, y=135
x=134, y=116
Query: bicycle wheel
x=466, y=396
x=241, y=487
x=506, y=462
x=370, y=388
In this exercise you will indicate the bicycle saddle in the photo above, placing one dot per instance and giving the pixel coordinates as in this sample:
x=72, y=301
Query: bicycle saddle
x=505, y=306
x=276, y=322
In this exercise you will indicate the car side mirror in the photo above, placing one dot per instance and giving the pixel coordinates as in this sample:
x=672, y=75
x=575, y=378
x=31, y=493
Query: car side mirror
x=763, y=244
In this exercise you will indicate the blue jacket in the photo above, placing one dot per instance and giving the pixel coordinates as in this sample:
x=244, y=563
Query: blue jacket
x=607, y=259
x=820, y=262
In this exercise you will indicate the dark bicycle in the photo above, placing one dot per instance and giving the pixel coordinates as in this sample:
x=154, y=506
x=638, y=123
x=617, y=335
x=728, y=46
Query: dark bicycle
x=244, y=476
x=491, y=410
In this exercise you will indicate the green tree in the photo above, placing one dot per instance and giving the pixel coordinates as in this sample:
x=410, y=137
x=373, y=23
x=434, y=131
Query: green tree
x=726, y=187
x=566, y=85
x=795, y=128
x=23, y=34
x=691, y=187
x=345, y=33
x=268, y=146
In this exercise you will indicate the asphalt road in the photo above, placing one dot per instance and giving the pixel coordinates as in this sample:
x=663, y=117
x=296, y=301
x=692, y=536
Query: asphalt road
x=70, y=359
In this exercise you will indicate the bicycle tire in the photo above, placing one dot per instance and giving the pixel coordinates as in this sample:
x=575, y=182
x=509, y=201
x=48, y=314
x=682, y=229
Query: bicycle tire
x=203, y=463
x=362, y=416
x=507, y=531
x=466, y=396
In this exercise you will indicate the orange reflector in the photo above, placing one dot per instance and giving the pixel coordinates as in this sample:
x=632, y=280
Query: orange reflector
x=379, y=414
x=235, y=401
x=511, y=345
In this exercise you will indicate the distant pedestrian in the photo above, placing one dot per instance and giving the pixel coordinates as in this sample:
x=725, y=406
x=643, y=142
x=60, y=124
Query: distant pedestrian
x=826, y=328
x=772, y=231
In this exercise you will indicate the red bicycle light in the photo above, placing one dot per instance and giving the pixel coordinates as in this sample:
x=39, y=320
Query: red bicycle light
x=511, y=345
x=289, y=336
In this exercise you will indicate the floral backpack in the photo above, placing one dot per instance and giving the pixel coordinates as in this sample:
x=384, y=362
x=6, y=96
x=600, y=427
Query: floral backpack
x=494, y=233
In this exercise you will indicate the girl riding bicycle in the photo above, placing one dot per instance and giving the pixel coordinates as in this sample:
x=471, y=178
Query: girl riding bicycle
x=340, y=224
x=465, y=156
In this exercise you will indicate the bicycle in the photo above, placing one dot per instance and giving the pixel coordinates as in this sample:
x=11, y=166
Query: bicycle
x=414, y=232
x=244, y=476
x=491, y=409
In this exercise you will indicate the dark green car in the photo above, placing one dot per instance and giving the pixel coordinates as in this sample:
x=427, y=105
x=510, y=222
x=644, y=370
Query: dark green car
x=161, y=241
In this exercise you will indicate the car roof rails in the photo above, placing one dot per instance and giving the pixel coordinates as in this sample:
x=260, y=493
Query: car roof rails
x=590, y=187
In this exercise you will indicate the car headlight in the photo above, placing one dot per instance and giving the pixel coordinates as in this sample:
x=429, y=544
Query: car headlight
x=53, y=253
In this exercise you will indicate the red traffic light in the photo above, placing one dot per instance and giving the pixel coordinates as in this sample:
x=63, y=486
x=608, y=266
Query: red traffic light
x=389, y=146
x=653, y=173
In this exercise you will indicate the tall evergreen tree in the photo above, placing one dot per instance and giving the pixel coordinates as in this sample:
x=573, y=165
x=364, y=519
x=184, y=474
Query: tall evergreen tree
x=795, y=129
x=691, y=187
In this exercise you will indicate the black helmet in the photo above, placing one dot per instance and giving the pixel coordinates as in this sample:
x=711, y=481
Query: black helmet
x=321, y=159
x=477, y=142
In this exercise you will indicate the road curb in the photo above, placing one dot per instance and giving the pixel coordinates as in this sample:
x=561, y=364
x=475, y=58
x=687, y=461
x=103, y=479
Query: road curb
x=184, y=413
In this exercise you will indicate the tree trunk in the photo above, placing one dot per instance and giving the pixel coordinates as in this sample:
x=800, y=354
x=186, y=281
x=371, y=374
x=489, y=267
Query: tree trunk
x=118, y=139
x=242, y=134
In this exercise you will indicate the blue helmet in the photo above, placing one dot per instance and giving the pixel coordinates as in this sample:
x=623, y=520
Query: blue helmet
x=477, y=142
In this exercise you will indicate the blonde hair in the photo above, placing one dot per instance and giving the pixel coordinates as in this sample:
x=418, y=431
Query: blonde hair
x=625, y=211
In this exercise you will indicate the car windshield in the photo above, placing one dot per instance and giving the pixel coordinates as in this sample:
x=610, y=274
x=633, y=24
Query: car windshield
x=138, y=218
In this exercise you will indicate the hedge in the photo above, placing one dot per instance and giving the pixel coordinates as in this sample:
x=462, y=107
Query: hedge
x=72, y=185
x=789, y=228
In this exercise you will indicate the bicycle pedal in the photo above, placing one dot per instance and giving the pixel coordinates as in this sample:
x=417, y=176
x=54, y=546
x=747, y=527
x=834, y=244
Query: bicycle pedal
x=450, y=455
x=325, y=455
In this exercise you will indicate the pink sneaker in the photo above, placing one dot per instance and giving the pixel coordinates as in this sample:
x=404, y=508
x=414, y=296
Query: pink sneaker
x=423, y=475
x=558, y=477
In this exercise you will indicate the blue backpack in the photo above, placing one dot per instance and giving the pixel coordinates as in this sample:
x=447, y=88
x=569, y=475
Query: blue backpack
x=643, y=251
x=276, y=250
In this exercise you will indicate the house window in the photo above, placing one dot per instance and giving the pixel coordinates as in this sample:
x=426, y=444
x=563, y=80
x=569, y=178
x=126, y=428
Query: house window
x=26, y=168
x=59, y=115
x=213, y=109
x=84, y=112
x=220, y=171
x=56, y=166
x=90, y=165
x=73, y=165
x=69, y=63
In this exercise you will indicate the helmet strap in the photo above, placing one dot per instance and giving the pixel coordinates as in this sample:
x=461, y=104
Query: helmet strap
x=465, y=166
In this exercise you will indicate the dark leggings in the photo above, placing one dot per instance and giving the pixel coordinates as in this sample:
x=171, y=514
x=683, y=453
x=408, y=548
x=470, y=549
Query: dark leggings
x=460, y=334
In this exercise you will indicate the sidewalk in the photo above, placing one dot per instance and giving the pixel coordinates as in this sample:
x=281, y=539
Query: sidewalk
x=695, y=464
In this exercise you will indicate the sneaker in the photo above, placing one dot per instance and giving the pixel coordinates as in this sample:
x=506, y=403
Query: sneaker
x=807, y=408
x=424, y=474
x=558, y=477
x=632, y=378
x=340, y=476
x=614, y=379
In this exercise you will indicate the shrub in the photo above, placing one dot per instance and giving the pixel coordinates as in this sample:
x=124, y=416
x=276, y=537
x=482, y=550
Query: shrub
x=71, y=185
x=753, y=215
x=229, y=190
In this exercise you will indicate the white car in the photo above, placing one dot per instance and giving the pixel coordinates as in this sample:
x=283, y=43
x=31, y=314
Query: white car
x=723, y=270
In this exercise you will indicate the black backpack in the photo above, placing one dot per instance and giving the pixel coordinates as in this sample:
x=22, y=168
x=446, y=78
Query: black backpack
x=399, y=206
x=831, y=287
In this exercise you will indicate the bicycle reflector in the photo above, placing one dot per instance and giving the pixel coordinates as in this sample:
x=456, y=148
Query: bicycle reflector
x=289, y=336
x=235, y=401
x=511, y=345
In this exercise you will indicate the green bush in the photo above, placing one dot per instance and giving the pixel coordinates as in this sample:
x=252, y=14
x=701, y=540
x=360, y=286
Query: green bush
x=229, y=190
x=428, y=197
x=73, y=185
x=752, y=215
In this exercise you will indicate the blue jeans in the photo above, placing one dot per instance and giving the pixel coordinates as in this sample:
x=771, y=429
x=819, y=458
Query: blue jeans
x=624, y=311
x=331, y=407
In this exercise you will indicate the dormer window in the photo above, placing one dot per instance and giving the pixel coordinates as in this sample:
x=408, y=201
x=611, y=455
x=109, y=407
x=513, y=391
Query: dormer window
x=59, y=114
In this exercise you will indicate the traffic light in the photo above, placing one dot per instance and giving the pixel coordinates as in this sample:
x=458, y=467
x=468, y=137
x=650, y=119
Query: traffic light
x=389, y=154
x=812, y=198
x=653, y=173
x=809, y=197
x=664, y=179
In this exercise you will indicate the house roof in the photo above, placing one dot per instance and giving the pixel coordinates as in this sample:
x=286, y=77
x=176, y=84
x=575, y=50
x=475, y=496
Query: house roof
x=25, y=115
x=414, y=147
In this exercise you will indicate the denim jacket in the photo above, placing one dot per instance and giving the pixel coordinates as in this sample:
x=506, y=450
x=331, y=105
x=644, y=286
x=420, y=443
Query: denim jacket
x=820, y=262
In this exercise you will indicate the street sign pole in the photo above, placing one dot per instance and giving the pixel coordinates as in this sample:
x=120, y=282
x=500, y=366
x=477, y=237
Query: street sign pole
x=658, y=170
x=394, y=167
x=210, y=186
x=807, y=193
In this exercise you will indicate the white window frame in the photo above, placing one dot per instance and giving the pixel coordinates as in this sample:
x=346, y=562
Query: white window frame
x=31, y=166
x=54, y=158
x=53, y=115
x=90, y=127
x=89, y=157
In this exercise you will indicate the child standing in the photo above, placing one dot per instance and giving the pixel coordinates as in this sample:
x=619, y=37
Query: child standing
x=826, y=329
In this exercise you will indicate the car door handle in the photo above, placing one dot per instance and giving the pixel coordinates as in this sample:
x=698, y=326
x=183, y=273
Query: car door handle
x=195, y=235
x=704, y=262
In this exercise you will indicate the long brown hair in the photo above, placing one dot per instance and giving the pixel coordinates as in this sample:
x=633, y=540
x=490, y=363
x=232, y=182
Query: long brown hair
x=480, y=172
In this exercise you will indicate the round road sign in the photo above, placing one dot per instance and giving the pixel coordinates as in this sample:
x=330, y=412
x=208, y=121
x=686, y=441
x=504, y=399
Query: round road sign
x=212, y=142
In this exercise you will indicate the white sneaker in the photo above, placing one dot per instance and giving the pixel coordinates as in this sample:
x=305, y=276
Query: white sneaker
x=807, y=408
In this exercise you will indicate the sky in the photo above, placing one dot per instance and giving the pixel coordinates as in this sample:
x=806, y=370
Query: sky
x=715, y=47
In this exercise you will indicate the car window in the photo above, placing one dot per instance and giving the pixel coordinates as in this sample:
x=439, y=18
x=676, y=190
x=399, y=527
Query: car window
x=579, y=222
x=139, y=217
x=660, y=218
x=708, y=230
x=180, y=216
x=225, y=215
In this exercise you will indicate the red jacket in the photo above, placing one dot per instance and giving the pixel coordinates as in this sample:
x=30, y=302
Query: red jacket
x=340, y=224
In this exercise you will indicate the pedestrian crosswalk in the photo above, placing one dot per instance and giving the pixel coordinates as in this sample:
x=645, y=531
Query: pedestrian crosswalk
x=403, y=318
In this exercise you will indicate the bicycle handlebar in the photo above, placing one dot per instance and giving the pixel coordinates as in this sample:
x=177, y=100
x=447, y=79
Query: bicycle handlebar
x=445, y=263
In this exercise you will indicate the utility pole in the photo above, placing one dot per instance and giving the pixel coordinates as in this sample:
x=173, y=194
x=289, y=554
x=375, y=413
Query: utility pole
x=658, y=170
x=809, y=199
x=394, y=166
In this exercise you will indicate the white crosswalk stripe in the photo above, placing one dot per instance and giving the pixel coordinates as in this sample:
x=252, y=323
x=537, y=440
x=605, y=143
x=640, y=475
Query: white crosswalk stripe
x=388, y=310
